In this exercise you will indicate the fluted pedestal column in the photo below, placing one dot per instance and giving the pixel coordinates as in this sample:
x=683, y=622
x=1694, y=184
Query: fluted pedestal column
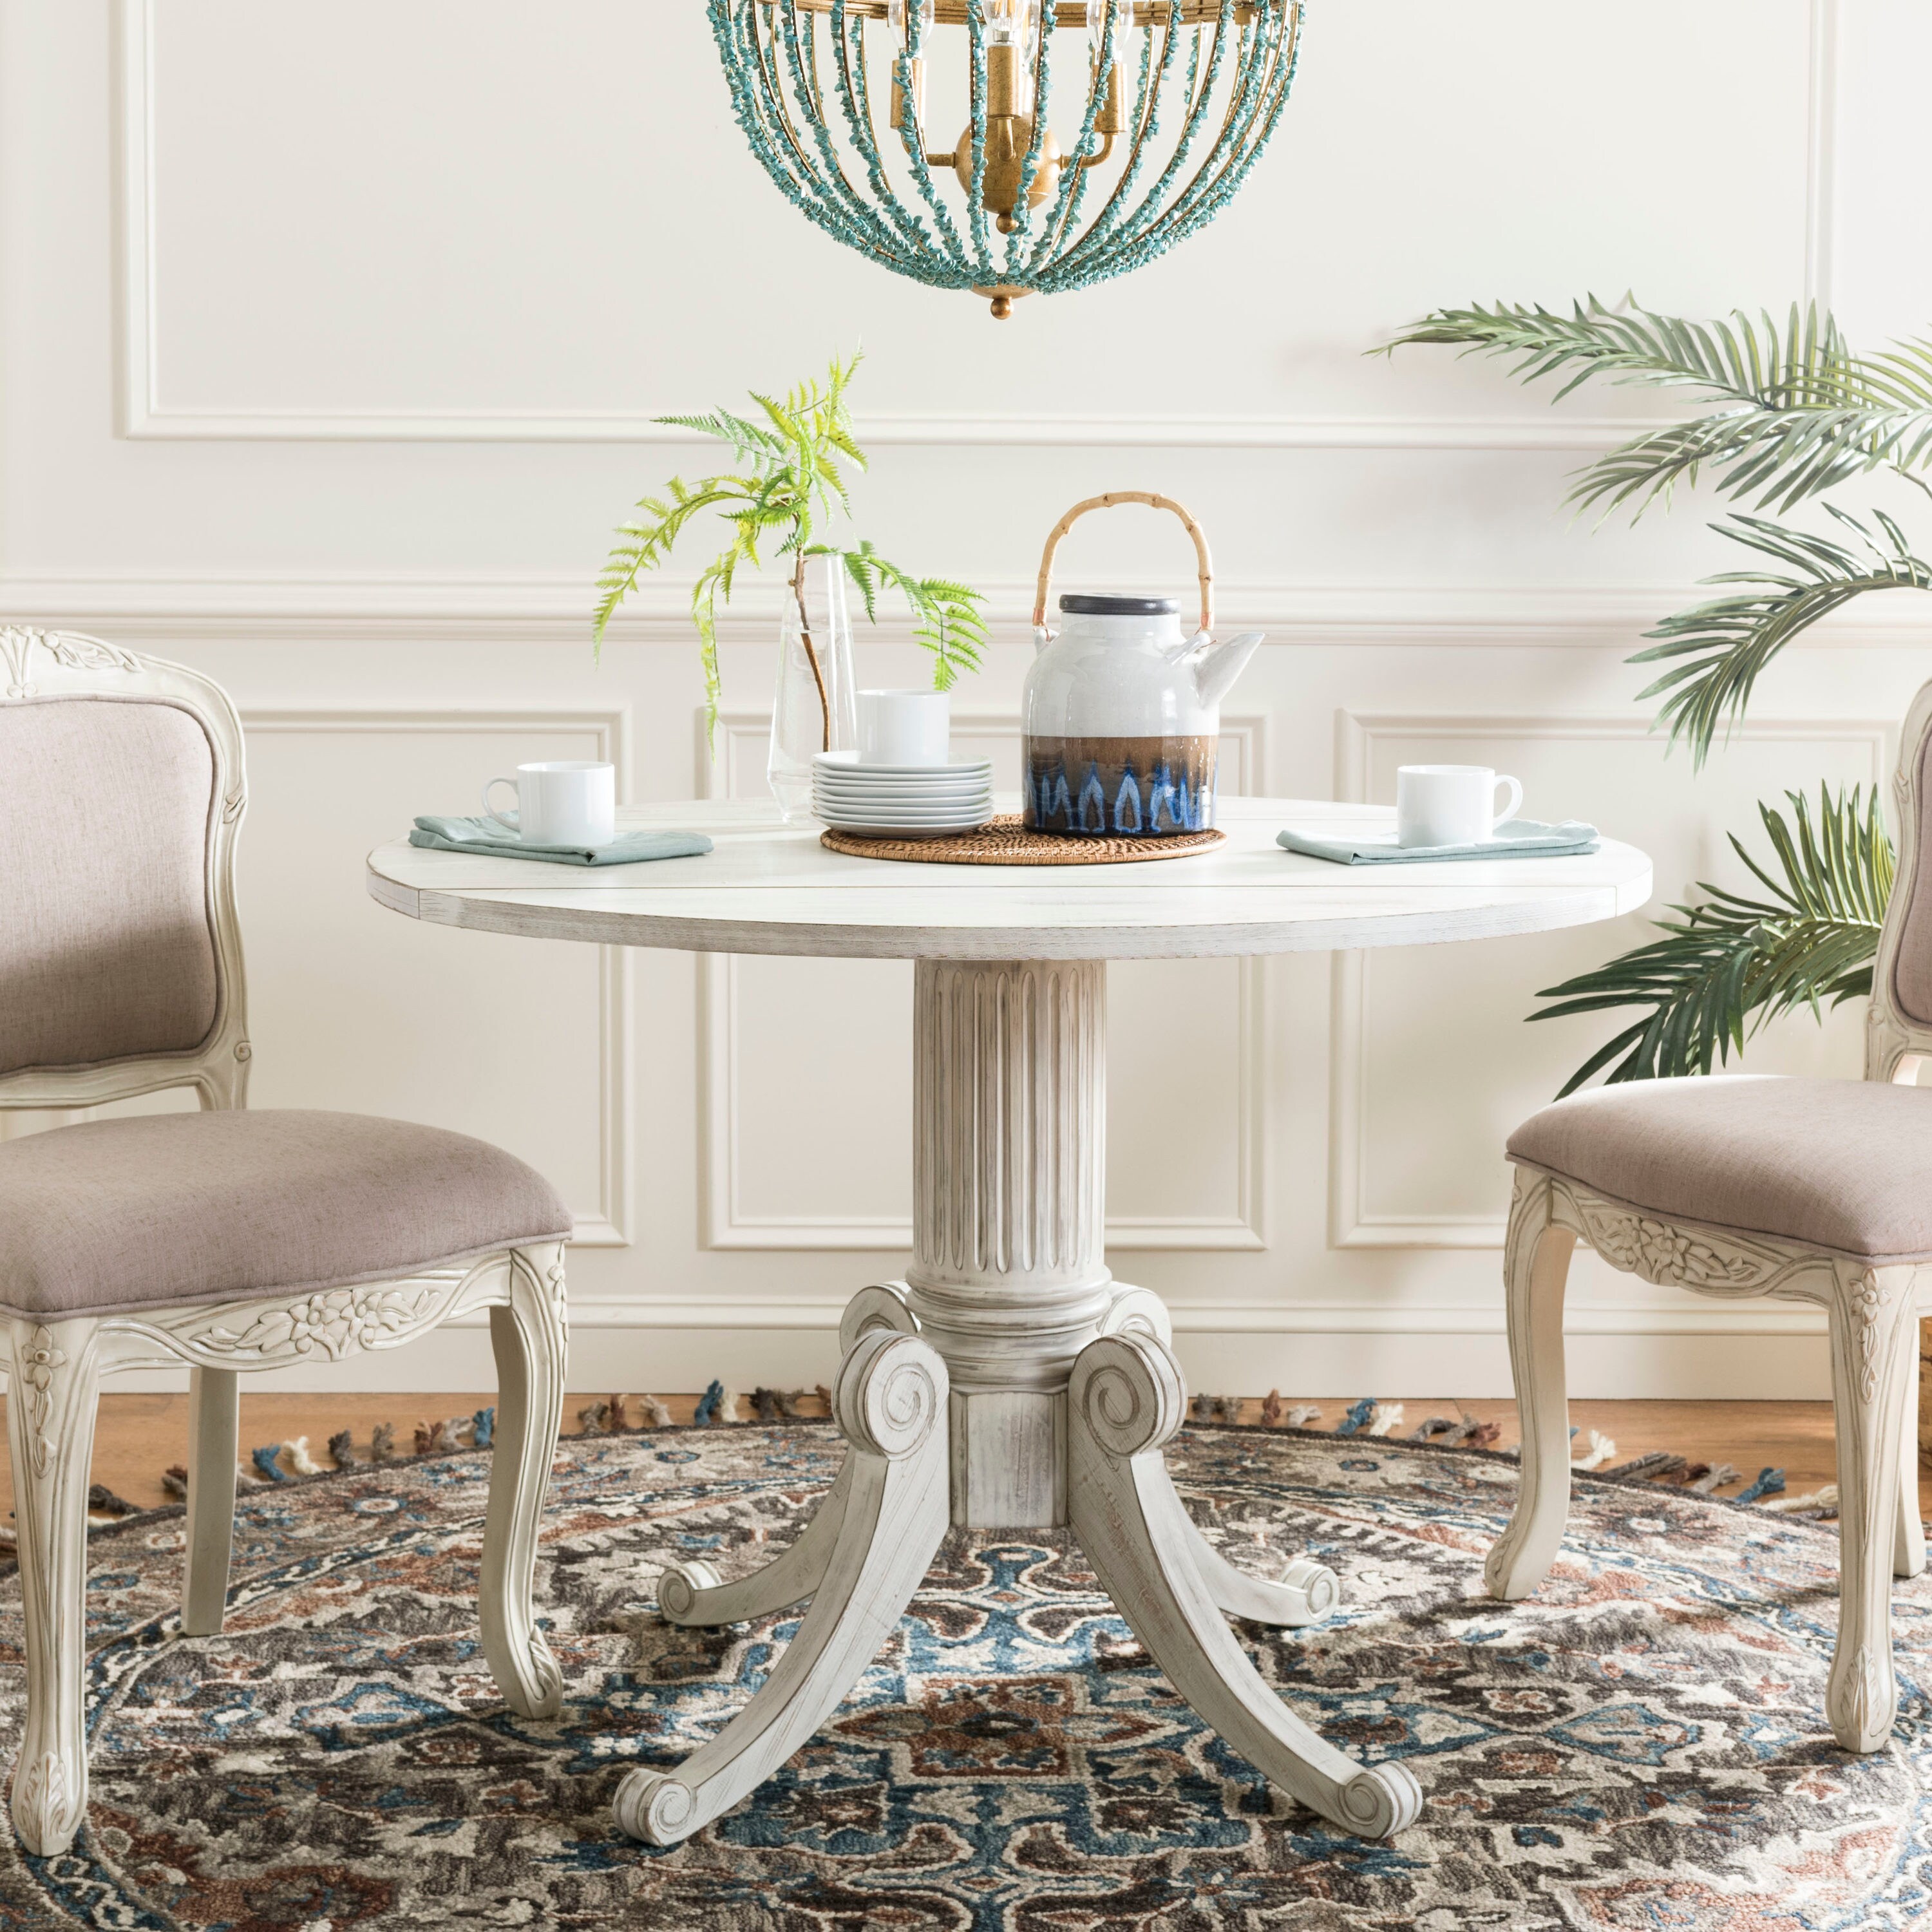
x=1009, y=1280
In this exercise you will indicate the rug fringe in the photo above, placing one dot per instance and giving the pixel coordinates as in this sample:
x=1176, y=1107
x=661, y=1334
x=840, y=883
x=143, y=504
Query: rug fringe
x=1590, y=1449
x=1819, y=1505
x=626, y=1414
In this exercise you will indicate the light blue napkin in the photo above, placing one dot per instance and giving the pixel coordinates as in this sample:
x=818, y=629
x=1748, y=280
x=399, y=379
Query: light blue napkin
x=486, y=837
x=1518, y=839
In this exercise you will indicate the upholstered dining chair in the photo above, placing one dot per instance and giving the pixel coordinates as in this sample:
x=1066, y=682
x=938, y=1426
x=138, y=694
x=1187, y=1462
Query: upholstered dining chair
x=227, y=1240
x=1808, y=1189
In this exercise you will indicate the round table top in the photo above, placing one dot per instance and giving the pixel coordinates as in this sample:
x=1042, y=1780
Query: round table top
x=770, y=887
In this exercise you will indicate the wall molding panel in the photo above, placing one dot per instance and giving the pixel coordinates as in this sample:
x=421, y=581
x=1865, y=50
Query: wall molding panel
x=819, y=1316
x=291, y=608
x=1821, y=160
x=146, y=414
x=609, y=1223
x=1351, y=1222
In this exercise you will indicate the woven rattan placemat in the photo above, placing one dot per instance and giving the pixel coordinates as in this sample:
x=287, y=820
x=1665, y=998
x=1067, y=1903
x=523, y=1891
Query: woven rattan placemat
x=1004, y=840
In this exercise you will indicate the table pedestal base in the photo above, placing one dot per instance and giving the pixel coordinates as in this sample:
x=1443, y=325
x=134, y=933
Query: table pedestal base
x=1008, y=1384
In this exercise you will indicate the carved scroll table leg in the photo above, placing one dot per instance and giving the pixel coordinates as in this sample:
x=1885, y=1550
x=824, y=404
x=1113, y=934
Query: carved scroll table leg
x=1304, y=1593
x=694, y=1595
x=890, y=1402
x=1536, y=1265
x=528, y=1337
x=214, y=1401
x=51, y=1381
x=1126, y=1400
x=1874, y=1332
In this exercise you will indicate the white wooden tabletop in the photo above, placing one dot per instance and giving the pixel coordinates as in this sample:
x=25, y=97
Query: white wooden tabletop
x=769, y=887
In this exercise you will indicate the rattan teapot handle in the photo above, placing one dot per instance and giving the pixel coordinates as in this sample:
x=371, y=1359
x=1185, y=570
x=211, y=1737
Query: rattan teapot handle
x=1204, y=569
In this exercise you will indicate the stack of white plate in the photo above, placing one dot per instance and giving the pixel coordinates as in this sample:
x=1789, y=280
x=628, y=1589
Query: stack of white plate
x=901, y=801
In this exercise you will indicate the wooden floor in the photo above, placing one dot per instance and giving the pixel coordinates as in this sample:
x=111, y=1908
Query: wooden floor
x=139, y=1435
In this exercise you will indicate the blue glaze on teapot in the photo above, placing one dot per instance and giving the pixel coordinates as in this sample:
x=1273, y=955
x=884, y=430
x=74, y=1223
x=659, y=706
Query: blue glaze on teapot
x=1120, y=722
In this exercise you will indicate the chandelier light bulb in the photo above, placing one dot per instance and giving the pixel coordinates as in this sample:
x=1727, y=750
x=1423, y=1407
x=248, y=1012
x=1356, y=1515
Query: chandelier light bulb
x=1122, y=11
x=1009, y=22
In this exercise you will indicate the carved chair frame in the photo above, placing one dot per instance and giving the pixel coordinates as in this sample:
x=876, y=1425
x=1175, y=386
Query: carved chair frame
x=1872, y=1311
x=54, y=1366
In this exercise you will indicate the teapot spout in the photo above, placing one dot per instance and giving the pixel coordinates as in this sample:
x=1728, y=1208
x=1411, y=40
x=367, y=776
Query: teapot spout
x=1215, y=666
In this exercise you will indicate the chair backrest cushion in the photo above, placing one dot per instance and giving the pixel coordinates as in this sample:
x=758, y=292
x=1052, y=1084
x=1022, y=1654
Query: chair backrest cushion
x=107, y=807
x=1911, y=966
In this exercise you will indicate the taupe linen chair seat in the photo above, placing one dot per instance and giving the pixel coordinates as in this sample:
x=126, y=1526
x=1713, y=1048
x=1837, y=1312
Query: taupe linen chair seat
x=168, y=1208
x=1845, y=1165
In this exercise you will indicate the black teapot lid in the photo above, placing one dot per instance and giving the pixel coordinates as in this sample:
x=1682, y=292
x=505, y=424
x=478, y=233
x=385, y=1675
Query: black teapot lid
x=1108, y=603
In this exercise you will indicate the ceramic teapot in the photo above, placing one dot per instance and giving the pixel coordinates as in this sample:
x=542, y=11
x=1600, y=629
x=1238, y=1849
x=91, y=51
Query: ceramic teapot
x=1120, y=722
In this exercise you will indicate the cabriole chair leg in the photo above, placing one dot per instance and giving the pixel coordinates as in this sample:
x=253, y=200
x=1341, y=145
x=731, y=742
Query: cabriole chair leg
x=51, y=1386
x=1537, y=1269
x=529, y=1338
x=1874, y=1343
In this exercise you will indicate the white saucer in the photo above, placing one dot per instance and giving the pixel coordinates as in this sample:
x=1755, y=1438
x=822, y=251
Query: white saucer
x=846, y=764
x=910, y=831
x=973, y=812
x=944, y=821
x=938, y=781
x=897, y=795
x=965, y=794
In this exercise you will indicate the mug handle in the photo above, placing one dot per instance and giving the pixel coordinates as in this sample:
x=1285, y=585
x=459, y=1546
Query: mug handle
x=1515, y=805
x=512, y=823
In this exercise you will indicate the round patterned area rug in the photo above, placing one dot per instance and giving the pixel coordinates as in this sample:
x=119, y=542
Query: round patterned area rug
x=1641, y=1746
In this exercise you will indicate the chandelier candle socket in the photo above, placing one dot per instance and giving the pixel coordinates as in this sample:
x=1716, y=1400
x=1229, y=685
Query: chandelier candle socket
x=1170, y=103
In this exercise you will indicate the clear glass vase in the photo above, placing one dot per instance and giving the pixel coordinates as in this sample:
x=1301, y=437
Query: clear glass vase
x=813, y=709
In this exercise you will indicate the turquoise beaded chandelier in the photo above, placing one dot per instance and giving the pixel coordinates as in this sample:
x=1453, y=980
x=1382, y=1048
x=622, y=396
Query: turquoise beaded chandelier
x=1171, y=102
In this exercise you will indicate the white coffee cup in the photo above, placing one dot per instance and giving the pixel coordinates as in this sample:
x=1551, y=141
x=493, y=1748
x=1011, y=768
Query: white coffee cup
x=903, y=727
x=561, y=802
x=1450, y=805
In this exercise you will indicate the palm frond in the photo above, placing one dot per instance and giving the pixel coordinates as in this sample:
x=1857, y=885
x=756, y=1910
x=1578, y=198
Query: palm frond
x=1736, y=360
x=1800, y=412
x=1728, y=963
x=1778, y=454
x=1728, y=642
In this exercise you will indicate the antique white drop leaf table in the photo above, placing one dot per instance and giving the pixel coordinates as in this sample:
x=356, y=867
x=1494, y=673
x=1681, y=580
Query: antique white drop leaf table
x=1009, y=1382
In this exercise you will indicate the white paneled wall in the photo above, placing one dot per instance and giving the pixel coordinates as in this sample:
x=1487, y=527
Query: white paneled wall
x=329, y=344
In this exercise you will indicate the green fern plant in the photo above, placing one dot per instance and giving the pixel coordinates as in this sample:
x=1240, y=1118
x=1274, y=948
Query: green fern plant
x=789, y=487
x=1792, y=413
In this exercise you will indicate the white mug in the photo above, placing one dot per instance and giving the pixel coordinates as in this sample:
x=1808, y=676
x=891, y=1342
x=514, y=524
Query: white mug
x=1450, y=805
x=903, y=727
x=561, y=802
